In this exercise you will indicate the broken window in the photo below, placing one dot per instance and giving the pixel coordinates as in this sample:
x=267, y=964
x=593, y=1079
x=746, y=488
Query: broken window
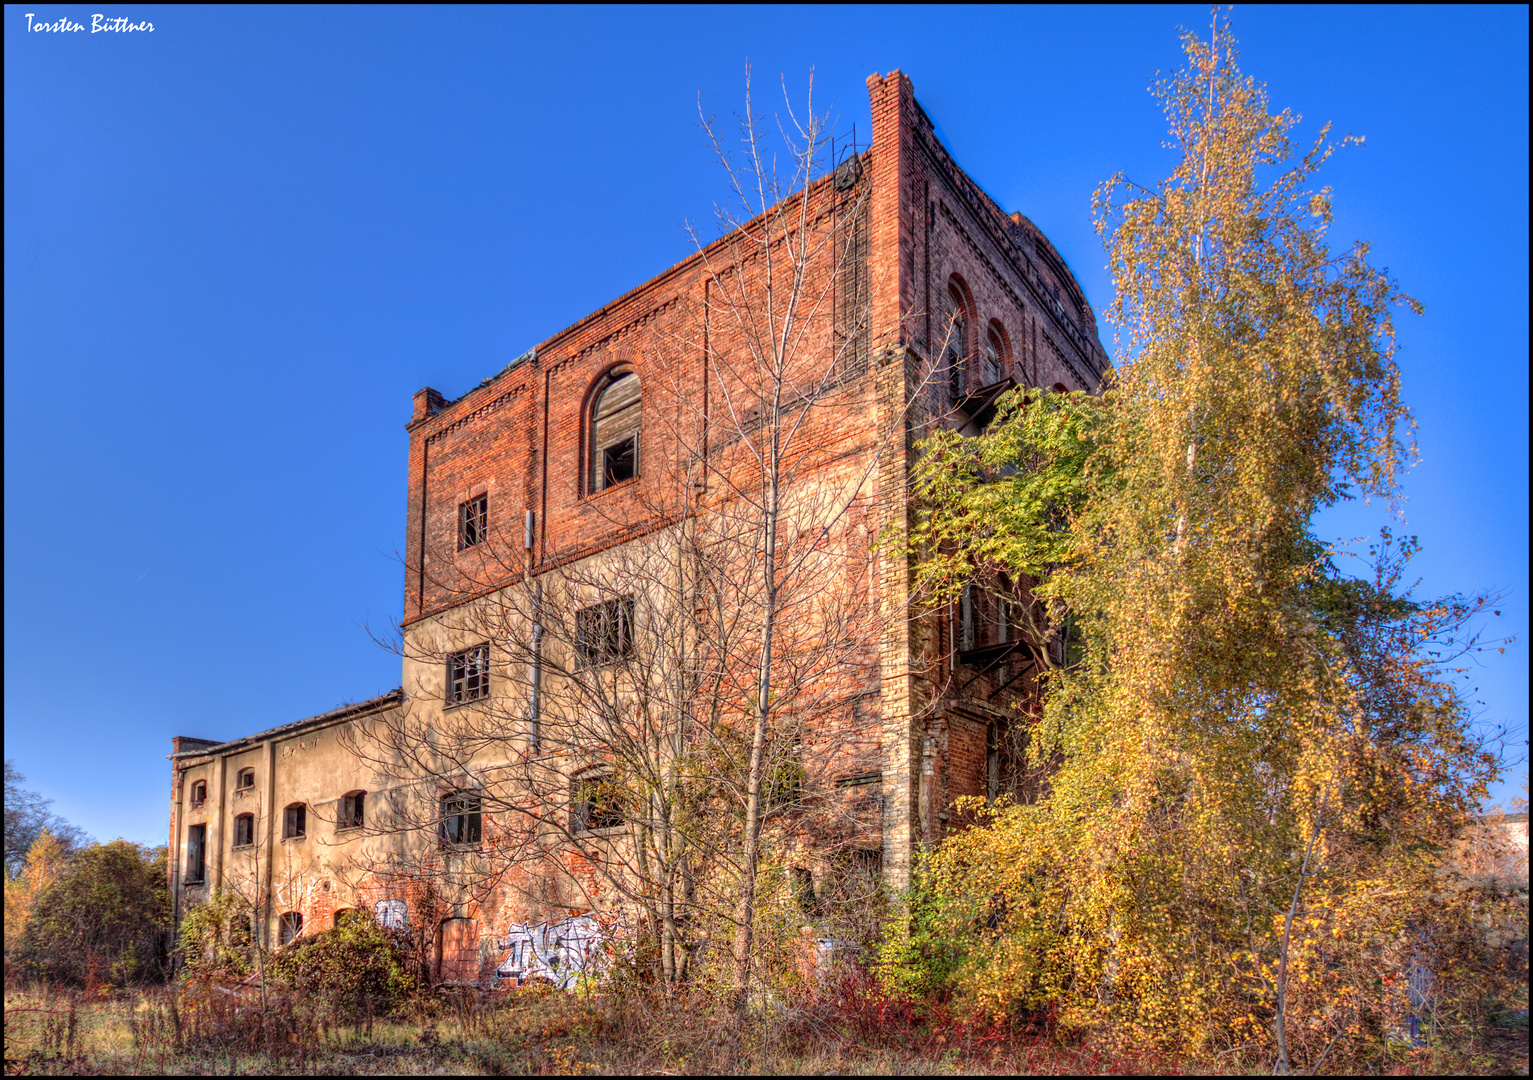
x=604, y=632
x=196, y=853
x=468, y=675
x=290, y=927
x=595, y=803
x=956, y=342
x=244, y=830
x=351, y=810
x=295, y=821
x=199, y=794
x=966, y=619
x=473, y=518
x=615, y=432
x=245, y=778
x=461, y=818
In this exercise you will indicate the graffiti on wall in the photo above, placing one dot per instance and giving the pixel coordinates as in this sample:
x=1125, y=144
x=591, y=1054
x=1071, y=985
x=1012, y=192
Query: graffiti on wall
x=560, y=952
x=390, y=914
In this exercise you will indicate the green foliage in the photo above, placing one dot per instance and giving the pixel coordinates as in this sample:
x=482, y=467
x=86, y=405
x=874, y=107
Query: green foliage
x=919, y=955
x=348, y=970
x=216, y=938
x=104, y=920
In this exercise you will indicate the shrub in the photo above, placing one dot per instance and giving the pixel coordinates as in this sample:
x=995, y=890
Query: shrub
x=353, y=969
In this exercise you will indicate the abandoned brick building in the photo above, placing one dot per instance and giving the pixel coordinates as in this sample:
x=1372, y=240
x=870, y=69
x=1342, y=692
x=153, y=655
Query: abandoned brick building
x=543, y=485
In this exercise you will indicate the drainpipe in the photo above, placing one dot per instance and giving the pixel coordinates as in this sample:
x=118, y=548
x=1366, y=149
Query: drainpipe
x=535, y=705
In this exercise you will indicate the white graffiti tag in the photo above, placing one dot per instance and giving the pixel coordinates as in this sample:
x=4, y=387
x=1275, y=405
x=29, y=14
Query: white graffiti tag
x=559, y=952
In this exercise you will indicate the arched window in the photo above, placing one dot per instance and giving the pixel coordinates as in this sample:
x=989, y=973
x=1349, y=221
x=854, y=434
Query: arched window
x=199, y=794
x=290, y=927
x=345, y=915
x=390, y=914
x=350, y=816
x=614, y=453
x=997, y=355
x=244, y=830
x=245, y=778
x=295, y=821
x=957, y=338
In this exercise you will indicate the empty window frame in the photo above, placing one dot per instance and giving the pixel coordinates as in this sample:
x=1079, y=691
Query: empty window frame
x=245, y=778
x=199, y=794
x=468, y=675
x=350, y=816
x=244, y=830
x=966, y=634
x=595, y=803
x=461, y=821
x=604, y=632
x=957, y=339
x=290, y=927
x=615, y=410
x=196, y=853
x=473, y=520
x=295, y=821
x=995, y=354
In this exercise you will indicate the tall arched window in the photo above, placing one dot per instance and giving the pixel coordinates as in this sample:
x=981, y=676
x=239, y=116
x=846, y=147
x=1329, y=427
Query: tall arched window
x=958, y=335
x=995, y=353
x=615, y=431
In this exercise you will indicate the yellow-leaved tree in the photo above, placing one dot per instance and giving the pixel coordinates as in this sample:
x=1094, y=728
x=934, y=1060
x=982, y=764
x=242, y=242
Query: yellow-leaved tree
x=1256, y=760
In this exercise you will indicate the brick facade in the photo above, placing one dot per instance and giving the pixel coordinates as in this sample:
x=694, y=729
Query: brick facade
x=916, y=719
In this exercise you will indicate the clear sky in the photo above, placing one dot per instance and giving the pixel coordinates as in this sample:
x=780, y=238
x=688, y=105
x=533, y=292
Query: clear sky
x=236, y=245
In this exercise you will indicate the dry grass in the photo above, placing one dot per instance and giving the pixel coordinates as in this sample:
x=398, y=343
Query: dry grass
x=538, y=1031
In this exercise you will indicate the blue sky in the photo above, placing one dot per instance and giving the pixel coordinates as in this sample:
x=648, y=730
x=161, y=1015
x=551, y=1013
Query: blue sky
x=236, y=245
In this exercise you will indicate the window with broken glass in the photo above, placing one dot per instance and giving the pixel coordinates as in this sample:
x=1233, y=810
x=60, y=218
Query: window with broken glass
x=196, y=853
x=473, y=518
x=461, y=822
x=468, y=675
x=604, y=632
x=595, y=803
x=615, y=432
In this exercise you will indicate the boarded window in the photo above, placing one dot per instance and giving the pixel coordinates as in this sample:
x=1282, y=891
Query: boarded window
x=244, y=830
x=196, y=853
x=390, y=914
x=460, y=951
x=604, y=632
x=290, y=927
x=461, y=822
x=468, y=675
x=615, y=432
x=473, y=518
x=295, y=821
x=350, y=816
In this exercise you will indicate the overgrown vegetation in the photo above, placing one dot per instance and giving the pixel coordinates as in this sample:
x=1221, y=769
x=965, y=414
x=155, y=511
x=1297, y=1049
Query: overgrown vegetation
x=1257, y=762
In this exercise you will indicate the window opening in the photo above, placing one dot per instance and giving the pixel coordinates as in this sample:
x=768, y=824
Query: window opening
x=196, y=853
x=994, y=352
x=461, y=818
x=290, y=927
x=596, y=804
x=615, y=432
x=244, y=779
x=473, y=517
x=956, y=343
x=345, y=915
x=468, y=675
x=295, y=821
x=966, y=619
x=803, y=889
x=199, y=794
x=604, y=632
x=351, y=810
x=244, y=830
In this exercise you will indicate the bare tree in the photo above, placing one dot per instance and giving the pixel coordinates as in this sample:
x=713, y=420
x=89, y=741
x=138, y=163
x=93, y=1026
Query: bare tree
x=657, y=720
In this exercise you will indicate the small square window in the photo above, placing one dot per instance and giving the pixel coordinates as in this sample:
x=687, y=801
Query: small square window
x=604, y=632
x=473, y=518
x=468, y=675
x=244, y=779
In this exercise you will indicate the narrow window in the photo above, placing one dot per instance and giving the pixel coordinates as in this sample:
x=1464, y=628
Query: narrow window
x=957, y=342
x=615, y=432
x=966, y=619
x=199, y=794
x=196, y=853
x=803, y=889
x=290, y=927
x=992, y=763
x=473, y=518
x=460, y=818
x=351, y=810
x=468, y=675
x=595, y=803
x=245, y=778
x=244, y=830
x=295, y=821
x=995, y=352
x=604, y=632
